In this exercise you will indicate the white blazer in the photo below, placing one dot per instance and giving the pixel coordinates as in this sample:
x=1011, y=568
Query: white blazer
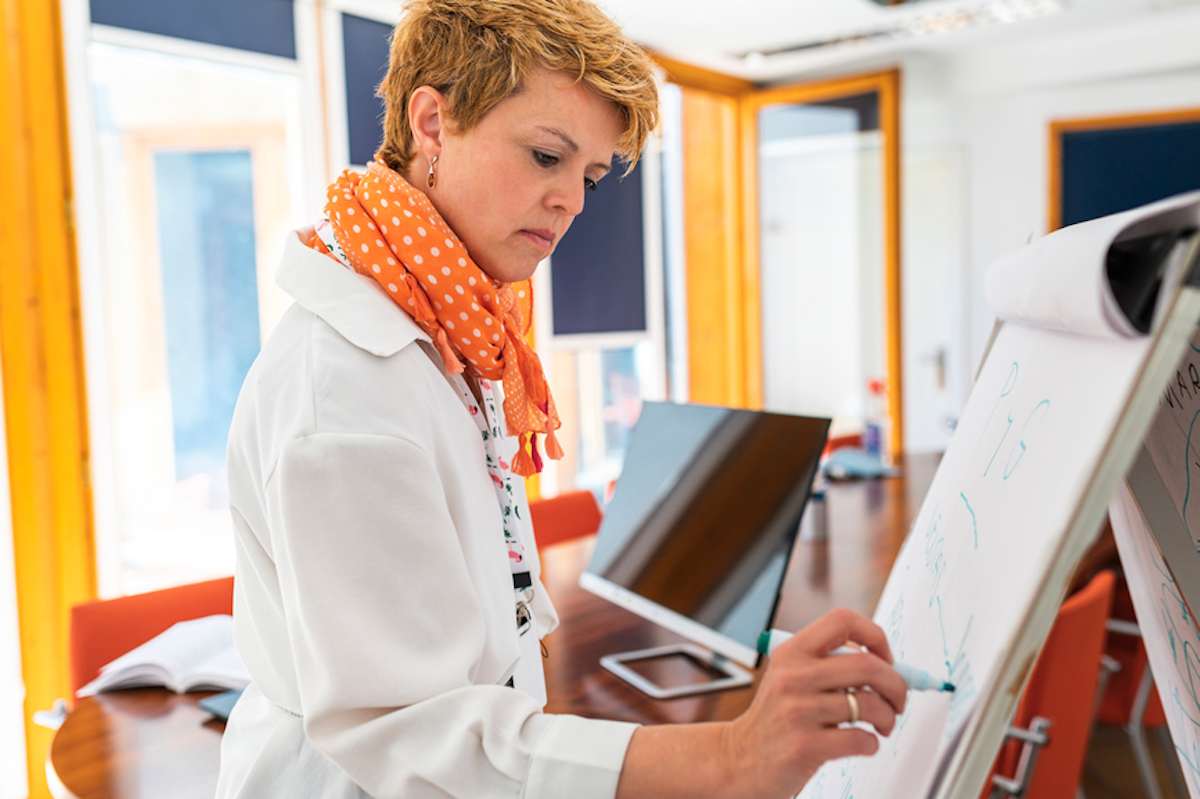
x=373, y=601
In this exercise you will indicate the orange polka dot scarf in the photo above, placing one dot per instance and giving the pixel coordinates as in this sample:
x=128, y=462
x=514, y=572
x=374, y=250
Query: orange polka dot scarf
x=389, y=231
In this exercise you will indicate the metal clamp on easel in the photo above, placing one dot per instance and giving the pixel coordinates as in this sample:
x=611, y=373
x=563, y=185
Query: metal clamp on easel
x=1032, y=740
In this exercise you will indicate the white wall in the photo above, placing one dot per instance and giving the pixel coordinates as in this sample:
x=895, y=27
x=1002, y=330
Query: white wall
x=826, y=339
x=822, y=207
x=975, y=128
x=1008, y=161
x=933, y=255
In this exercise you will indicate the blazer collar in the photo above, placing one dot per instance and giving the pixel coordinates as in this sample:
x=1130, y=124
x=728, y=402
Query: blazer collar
x=352, y=304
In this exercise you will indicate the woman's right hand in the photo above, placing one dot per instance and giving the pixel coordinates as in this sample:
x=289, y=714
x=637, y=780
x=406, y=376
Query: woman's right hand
x=792, y=725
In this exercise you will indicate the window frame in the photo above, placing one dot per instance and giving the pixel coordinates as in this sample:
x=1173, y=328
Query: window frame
x=79, y=33
x=547, y=343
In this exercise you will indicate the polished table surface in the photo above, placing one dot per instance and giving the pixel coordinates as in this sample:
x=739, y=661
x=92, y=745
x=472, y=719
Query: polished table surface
x=150, y=742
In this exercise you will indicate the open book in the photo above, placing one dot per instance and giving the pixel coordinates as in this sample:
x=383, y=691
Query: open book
x=194, y=655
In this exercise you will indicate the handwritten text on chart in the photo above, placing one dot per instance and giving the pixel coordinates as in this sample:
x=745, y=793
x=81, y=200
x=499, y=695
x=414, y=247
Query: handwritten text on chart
x=953, y=536
x=1005, y=440
x=1178, y=412
x=1191, y=461
x=1185, y=694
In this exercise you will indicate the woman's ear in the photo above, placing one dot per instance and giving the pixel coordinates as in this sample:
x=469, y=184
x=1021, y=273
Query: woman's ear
x=426, y=120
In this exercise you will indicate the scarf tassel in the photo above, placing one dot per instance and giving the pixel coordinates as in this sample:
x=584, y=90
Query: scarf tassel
x=522, y=463
x=552, y=446
x=537, y=456
x=447, y=352
x=528, y=460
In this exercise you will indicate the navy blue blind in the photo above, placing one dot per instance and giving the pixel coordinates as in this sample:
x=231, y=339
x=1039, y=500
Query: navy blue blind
x=599, y=283
x=1107, y=171
x=260, y=26
x=365, y=44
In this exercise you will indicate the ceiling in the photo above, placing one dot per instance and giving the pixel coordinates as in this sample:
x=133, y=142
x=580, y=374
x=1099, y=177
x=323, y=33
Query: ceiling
x=765, y=40
x=722, y=27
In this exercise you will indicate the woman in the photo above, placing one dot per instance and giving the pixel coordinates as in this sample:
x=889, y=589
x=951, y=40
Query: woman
x=387, y=599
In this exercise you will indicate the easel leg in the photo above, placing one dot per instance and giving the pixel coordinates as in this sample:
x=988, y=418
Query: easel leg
x=1137, y=736
x=1141, y=751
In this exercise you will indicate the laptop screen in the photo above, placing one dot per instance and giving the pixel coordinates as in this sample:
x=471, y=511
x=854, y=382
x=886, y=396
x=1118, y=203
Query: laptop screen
x=703, y=519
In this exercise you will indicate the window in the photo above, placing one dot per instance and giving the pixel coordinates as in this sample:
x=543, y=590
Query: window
x=196, y=170
x=610, y=312
x=599, y=392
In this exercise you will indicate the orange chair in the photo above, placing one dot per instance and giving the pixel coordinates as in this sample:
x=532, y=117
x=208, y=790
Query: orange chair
x=103, y=630
x=1054, y=719
x=570, y=515
x=838, y=442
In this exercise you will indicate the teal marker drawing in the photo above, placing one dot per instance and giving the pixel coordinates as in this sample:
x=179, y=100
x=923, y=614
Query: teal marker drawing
x=916, y=679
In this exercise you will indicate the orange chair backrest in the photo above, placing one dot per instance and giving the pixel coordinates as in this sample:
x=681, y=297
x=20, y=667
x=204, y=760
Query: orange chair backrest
x=1062, y=689
x=106, y=629
x=570, y=515
x=838, y=442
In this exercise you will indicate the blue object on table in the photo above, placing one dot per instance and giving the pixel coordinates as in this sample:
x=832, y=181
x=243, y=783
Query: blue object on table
x=221, y=705
x=849, y=463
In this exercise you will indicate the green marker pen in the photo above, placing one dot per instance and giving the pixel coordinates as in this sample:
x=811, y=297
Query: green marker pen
x=916, y=679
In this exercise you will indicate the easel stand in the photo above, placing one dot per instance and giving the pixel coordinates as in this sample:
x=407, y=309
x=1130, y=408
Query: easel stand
x=968, y=768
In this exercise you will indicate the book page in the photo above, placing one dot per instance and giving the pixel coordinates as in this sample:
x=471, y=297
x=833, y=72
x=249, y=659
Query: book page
x=224, y=669
x=166, y=658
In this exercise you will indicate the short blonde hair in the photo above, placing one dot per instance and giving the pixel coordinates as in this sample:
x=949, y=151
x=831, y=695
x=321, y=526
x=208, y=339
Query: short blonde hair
x=477, y=53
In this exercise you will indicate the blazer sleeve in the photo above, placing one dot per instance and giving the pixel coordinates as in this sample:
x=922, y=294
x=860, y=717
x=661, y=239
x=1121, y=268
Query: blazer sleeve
x=385, y=628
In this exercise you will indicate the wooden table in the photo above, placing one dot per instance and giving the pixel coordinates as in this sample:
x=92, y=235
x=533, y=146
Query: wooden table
x=153, y=743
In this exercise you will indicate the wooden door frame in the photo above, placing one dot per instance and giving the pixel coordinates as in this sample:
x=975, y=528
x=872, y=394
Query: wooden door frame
x=887, y=86
x=1058, y=127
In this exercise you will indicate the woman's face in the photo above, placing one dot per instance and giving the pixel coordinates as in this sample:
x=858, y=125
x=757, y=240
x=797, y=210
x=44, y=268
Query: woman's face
x=511, y=185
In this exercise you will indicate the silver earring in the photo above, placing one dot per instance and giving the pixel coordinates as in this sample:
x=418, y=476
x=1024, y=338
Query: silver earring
x=432, y=179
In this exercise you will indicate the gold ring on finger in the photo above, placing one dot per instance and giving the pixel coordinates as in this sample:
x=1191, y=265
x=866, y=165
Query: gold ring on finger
x=852, y=701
